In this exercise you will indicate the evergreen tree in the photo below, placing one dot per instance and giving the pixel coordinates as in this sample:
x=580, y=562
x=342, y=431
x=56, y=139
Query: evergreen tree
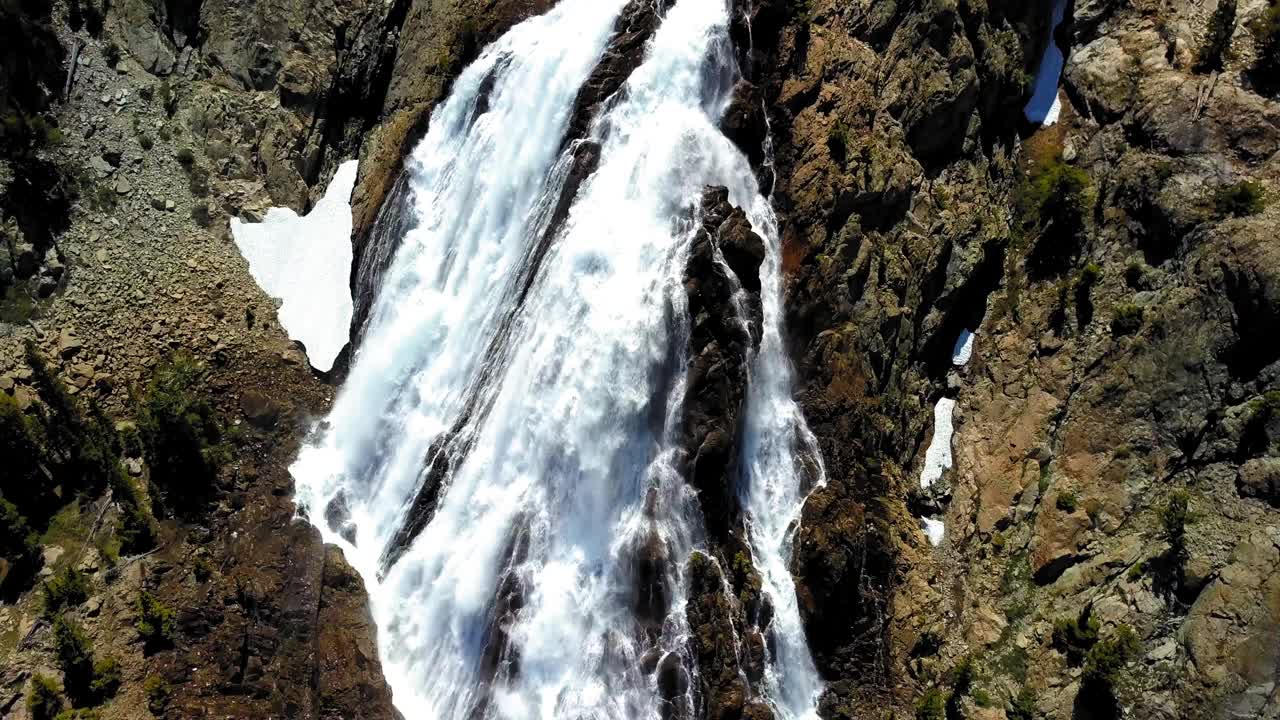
x=1217, y=43
x=1266, y=37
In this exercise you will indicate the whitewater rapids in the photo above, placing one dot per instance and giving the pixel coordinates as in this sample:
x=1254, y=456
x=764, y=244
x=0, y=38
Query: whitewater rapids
x=548, y=397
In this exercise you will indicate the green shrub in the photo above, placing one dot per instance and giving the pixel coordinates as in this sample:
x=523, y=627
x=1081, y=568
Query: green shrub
x=1240, y=199
x=18, y=547
x=1052, y=200
x=1174, y=516
x=79, y=714
x=136, y=529
x=932, y=705
x=21, y=450
x=1136, y=572
x=1266, y=36
x=75, y=658
x=62, y=421
x=962, y=676
x=109, y=545
x=1014, y=661
x=157, y=692
x=103, y=198
x=186, y=157
x=1089, y=277
x=106, y=679
x=44, y=700
x=1126, y=319
x=1107, y=658
x=1023, y=706
x=202, y=570
x=22, y=134
x=838, y=141
x=983, y=698
x=1067, y=502
x=155, y=621
x=1217, y=41
x=1075, y=636
x=198, y=181
x=181, y=434
x=168, y=99
x=67, y=588
x=111, y=53
x=83, y=449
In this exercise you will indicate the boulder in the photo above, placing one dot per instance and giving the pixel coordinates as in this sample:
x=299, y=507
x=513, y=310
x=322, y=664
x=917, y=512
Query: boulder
x=1057, y=540
x=261, y=411
x=744, y=121
x=68, y=344
x=1260, y=478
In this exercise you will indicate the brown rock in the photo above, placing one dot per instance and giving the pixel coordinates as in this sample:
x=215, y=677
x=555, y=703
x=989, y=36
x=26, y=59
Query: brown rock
x=1260, y=478
x=68, y=343
x=261, y=411
x=1057, y=540
x=349, y=672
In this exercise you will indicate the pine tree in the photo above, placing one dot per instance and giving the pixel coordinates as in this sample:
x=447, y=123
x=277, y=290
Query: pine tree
x=1217, y=43
x=1266, y=37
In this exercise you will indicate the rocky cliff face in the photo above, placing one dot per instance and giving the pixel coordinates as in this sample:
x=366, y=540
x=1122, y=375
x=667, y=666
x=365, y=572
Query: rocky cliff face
x=1111, y=532
x=1121, y=292
x=132, y=132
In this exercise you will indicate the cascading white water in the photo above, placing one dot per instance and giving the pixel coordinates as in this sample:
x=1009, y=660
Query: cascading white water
x=556, y=416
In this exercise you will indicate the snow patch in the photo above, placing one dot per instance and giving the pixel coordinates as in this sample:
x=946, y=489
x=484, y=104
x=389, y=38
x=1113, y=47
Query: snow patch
x=306, y=263
x=1044, y=106
x=934, y=529
x=963, y=349
x=937, y=458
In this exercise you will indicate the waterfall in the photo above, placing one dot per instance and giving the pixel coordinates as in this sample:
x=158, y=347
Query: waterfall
x=520, y=399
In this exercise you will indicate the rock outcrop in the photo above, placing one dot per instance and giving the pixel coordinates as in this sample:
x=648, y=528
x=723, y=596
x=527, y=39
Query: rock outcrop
x=722, y=286
x=145, y=126
x=1113, y=266
x=725, y=256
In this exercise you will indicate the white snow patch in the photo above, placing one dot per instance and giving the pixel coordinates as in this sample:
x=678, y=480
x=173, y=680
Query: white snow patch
x=306, y=262
x=1044, y=106
x=963, y=349
x=937, y=458
x=935, y=529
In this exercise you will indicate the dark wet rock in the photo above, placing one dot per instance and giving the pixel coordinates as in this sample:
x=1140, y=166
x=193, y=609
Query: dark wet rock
x=712, y=628
x=720, y=350
x=337, y=515
x=673, y=679
x=436, y=468
x=841, y=563
x=652, y=595
x=744, y=121
x=624, y=54
x=500, y=660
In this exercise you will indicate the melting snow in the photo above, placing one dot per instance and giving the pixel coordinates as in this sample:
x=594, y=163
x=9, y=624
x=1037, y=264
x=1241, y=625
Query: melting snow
x=1044, y=105
x=963, y=349
x=934, y=529
x=937, y=457
x=306, y=262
